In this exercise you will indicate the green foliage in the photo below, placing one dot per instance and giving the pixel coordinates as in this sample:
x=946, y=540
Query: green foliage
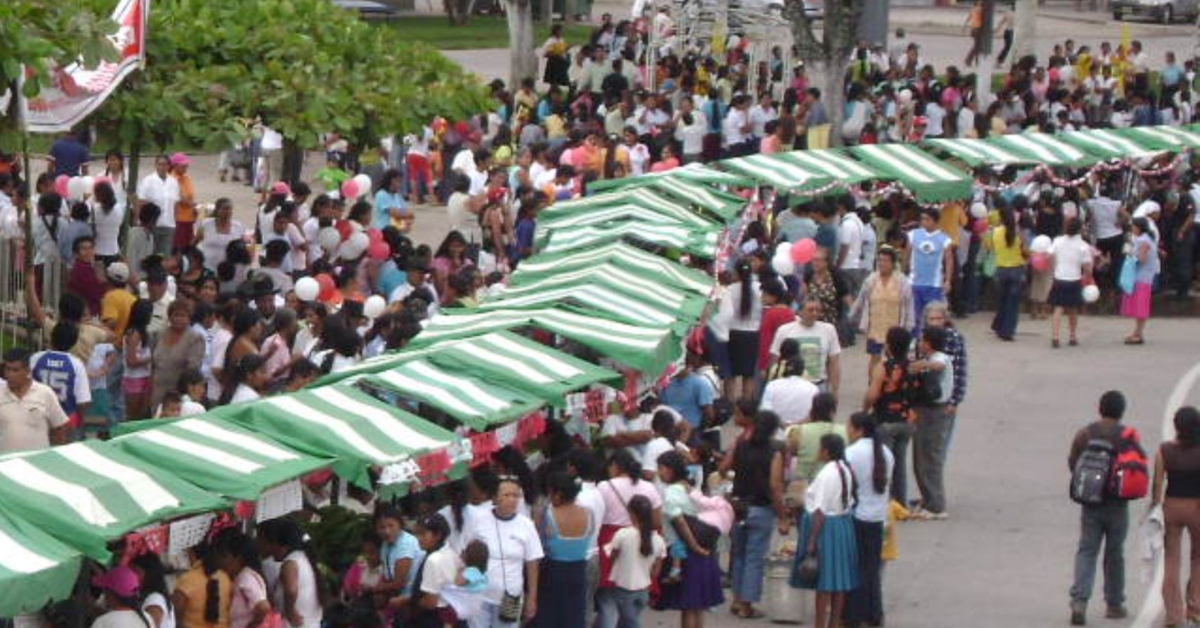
x=483, y=31
x=337, y=537
x=39, y=33
x=303, y=67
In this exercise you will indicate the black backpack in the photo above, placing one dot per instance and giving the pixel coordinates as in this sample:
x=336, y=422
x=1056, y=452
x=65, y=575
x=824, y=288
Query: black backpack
x=925, y=388
x=1090, y=477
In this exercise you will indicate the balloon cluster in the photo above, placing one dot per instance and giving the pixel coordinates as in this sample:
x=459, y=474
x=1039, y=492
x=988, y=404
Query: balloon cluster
x=358, y=186
x=789, y=255
x=76, y=188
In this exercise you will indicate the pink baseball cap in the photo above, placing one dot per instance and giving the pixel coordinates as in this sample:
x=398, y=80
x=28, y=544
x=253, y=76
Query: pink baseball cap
x=121, y=581
x=179, y=159
x=279, y=187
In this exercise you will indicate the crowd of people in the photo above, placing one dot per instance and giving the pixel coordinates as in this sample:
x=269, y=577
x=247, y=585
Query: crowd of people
x=190, y=308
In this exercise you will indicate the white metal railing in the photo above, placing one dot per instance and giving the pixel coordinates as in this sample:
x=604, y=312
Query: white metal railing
x=14, y=312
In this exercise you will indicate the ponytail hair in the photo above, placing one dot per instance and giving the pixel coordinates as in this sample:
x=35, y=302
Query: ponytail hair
x=628, y=464
x=835, y=447
x=246, y=365
x=743, y=273
x=865, y=424
x=642, y=514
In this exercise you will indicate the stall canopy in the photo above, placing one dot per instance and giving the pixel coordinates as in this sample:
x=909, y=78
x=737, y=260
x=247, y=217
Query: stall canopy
x=219, y=456
x=660, y=269
x=523, y=364
x=645, y=349
x=698, y=242
x=90, y=493
x=801, y=169
x=723, y=205
x=646, y=289
x=692, y=174
x=1171, y=138
x=347, y=425
x=604, y=299
x=1041, y=148
x=930, y=180
x=35, y=568
x=629, y=204
x=1108, y=144
x=464, y=395
x=976, y=153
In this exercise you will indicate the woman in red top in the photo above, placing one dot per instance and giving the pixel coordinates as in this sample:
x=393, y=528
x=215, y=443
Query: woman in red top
x=776, y=314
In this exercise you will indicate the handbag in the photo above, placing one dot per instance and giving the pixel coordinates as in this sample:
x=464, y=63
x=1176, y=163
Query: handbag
x=510, y=605
x=807, y=572
x=1127, y=280
x=706, y=535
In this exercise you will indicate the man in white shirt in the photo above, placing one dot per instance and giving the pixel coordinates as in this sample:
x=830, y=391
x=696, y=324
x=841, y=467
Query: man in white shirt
x=819, y=346
x=628, y=429
x=736, y=128
x=30, y=415
x=761, y=114
x=272, y=155
x=162, y=189
x=9, y=225
x=649, y=117
x=852, y=267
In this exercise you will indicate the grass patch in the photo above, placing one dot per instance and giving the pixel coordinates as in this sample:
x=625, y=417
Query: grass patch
x=482, y=31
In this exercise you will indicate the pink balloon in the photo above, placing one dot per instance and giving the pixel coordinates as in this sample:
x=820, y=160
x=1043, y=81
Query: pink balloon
x=379, y=251
x=375, y=235
x=60, y=185
x=980, y=226
x=349, y=189
x=804, y=250
x=1040, y=262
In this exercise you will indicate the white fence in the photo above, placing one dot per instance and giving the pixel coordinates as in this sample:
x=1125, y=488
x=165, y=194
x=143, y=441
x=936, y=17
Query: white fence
x=14, y=311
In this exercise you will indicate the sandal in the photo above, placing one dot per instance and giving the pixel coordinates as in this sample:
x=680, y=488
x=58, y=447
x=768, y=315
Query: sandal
x=752, y=613
x=1135, y=340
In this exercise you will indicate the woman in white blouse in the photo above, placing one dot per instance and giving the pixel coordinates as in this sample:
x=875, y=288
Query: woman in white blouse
x=827, y=530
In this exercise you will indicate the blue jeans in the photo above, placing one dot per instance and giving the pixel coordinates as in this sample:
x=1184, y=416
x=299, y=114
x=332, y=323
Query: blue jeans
x=895, y=436
x=1009, y=282
x=621, y=608
x=1109, y=523
x=922, y=296
x=750, y=539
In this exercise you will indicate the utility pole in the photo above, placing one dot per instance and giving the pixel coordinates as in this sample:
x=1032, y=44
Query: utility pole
x=1024, y=29
x=984, y=62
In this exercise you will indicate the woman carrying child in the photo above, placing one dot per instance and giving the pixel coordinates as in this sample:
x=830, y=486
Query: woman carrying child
x=698, y=587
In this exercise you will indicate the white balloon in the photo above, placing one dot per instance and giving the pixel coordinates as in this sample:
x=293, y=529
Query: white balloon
x=89, y=184
x=329, y=239
x=364, y=184
x=374, y=306
x=783, y=249
x=1091, y=293
x=1040, y=244
x=355, y=246
x=783, y=265
x=76, y=188
x=979, y=210
x=307, y=289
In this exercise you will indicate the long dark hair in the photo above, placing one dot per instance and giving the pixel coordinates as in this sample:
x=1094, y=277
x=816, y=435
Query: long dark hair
x=627, y=463
x=242, y=547
x=139, y=319
x=438, y=525
x=898, y=341
x=1008, y=218
x=744, y=275
x=246, y=365
x=642, y=515
x=1187, y=426
x=674, y=461
x=865, y=424
x=824, y=406
x=766, y=423
x=154, y=576
x=835, y=447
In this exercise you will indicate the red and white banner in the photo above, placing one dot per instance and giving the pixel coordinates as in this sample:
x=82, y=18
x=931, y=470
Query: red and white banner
x=75, y=91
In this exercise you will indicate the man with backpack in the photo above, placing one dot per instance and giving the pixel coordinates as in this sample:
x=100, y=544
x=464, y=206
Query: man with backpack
x=1108, y=469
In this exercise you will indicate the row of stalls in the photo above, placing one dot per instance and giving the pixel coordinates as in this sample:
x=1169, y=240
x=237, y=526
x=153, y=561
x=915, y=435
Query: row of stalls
x=620, y=278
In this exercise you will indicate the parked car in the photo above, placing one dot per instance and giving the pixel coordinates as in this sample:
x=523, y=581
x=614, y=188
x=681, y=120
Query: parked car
x=1165, y=11
x=367, y=8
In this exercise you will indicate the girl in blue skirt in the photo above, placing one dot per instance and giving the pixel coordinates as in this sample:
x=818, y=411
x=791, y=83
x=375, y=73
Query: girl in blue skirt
x=827, y=530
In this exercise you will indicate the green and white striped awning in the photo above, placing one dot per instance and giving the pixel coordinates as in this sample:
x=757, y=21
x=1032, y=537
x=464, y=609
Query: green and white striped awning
x=521, y=363
x=347, y=425
x=649, y=265
x=90, y=493
x=698, y=242
x=1172, y=138
x=801, y=169
x=1041, y=148
x=219, y=456
x=35, y=568
x=976, y=153
x=1108, y=144
x=930, y=180
x=641, y=348
x=723, y=205
x=604, y=299
x=636, y=204
x=693, y=174
x=686, y=303
x=464, y=395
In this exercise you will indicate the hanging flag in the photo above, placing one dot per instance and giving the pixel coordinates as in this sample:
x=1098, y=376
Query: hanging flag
x=74, y=91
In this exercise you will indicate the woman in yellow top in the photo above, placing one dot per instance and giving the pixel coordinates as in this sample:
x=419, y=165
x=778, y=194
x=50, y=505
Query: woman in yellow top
x=1005, y=242
x=202, y=594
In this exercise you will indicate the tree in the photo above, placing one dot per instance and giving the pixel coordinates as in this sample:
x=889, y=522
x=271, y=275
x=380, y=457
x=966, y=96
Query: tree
x=522, y=60
x=459, y=11
x=829, y=55
x=302, y=67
